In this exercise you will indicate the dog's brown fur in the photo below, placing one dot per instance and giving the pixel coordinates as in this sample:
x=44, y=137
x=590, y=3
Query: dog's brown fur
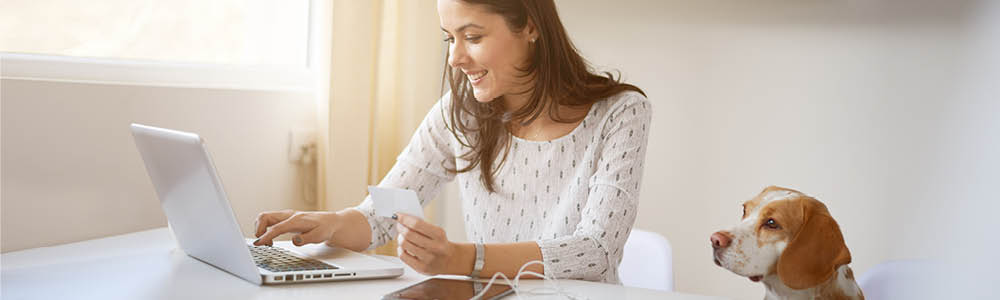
x=813, y=256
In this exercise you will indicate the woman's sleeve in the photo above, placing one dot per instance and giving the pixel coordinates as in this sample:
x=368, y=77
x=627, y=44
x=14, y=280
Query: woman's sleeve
x=595, y=248
x=422, y=167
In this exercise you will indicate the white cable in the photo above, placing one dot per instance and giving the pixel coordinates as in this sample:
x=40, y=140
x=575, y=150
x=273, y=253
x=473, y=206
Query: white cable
x=556, y=290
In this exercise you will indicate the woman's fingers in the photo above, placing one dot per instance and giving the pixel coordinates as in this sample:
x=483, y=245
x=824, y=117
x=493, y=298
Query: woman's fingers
x=313, y=227
x=415, y=237
x=411, y=261
x=422, y=245
x=316, y=235
x=420, y=226
x=419, y=252
x=291, y=224
x=266, y=219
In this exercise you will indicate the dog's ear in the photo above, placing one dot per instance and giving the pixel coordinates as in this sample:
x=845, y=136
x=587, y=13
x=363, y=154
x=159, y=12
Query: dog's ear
x=815, y=251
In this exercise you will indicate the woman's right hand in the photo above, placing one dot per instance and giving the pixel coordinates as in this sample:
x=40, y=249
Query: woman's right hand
x=310, y=226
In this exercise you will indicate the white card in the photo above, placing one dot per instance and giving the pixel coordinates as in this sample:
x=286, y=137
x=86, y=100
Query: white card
x=388, y=201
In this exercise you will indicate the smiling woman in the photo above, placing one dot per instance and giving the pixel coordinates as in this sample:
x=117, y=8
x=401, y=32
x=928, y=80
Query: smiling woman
x=548, y=156
x=534, y=63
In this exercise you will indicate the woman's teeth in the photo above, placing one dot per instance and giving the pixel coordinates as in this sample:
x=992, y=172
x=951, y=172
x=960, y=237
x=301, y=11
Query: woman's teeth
x=477, y=76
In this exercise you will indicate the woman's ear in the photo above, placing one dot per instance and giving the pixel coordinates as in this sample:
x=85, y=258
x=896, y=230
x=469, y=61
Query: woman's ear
x=816, y=251
x=531, y=31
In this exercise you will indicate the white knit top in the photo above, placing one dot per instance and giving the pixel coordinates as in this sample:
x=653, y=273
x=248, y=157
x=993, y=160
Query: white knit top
x=576, y=196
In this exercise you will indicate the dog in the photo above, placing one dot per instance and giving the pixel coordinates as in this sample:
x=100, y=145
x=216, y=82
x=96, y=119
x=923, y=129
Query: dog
x=788, y=241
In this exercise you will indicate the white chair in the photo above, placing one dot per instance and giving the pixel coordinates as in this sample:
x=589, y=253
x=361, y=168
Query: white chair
x=647, y=262
x=900, y=279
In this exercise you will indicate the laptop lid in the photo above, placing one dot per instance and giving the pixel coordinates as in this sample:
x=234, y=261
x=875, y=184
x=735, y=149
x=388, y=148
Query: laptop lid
x=194, y=200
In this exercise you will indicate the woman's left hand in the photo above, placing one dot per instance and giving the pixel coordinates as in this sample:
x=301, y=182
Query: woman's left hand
x=424, y=246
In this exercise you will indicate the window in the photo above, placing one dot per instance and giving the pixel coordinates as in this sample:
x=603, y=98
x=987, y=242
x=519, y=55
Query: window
x=234, y=32
x=246, y=44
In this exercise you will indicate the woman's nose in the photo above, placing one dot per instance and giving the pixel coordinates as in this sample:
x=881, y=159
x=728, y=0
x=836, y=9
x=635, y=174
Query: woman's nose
x=457, y=56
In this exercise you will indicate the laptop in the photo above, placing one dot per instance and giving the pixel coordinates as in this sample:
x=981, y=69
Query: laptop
x=199, y=214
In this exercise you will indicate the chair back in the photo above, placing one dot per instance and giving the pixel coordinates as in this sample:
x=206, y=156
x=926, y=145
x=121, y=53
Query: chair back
x=647, y=262
x=899, y=279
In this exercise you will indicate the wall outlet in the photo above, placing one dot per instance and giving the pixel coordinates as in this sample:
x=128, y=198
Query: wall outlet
x=301, y=145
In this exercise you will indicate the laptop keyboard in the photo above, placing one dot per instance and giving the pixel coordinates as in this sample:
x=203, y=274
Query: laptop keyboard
x=277, y=259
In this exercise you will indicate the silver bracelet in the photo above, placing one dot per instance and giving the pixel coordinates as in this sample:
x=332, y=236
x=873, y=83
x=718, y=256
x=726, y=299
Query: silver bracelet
x=480, y=261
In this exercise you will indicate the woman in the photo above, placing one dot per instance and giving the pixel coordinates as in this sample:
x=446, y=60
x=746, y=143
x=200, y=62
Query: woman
x=548, y=156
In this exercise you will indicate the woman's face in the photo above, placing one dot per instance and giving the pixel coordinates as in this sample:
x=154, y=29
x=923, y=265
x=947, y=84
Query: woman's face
x=484, y=49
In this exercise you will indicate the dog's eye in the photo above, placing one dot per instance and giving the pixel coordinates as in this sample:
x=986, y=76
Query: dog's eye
x=771, y=224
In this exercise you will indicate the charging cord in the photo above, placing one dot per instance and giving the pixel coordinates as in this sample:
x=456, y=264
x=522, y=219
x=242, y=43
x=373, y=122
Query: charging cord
x=540, y=291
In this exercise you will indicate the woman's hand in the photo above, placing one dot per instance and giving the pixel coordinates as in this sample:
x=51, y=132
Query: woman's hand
x=311, y=227
x=426, y=249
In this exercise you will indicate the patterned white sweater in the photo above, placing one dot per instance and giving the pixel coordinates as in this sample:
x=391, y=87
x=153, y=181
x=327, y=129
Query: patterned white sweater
x=576, y=195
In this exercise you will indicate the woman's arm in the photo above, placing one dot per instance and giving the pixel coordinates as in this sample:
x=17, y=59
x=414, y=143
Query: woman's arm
x=353, y=232
x=347, y=228
x=506, y=258
x=594, y=249
x=421, y=167
x=426, y=248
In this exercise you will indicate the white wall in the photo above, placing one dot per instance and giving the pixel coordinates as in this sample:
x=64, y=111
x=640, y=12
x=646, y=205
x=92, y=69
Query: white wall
x=970, y=213
x=70, y=170
x=858, y=103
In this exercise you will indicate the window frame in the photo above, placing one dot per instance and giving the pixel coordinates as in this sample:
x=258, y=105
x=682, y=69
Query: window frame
x=155, y=74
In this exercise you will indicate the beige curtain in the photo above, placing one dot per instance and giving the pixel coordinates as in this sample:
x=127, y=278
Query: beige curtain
x=384, y=74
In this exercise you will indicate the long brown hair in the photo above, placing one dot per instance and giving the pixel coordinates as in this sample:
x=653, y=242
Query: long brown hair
x=562, y=78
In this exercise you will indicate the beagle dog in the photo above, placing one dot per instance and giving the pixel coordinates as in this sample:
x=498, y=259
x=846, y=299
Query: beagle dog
x=788, y=241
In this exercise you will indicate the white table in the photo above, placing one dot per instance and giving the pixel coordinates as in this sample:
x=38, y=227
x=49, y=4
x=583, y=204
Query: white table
x=148, y=265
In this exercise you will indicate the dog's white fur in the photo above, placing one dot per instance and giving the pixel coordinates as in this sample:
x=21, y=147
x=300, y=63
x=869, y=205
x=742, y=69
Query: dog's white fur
x=743, y=256
x=748, y=254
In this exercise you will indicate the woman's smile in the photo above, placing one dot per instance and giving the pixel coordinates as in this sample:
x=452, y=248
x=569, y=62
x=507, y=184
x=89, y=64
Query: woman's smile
x=476, y=77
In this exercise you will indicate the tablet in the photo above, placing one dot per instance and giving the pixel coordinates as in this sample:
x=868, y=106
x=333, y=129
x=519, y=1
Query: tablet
x=447, y=289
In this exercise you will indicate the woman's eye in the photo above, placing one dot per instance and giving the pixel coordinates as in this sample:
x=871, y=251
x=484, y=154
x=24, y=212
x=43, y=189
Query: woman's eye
x=473, y=38
x=449, y=39
x=771, y=224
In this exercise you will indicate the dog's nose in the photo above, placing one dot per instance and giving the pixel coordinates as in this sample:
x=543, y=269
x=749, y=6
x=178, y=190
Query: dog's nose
x=720, y=239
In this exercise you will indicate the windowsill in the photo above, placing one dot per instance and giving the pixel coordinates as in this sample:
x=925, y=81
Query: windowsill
x=149, y=73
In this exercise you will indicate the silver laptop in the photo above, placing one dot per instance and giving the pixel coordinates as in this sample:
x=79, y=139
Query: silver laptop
x=205, y=227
